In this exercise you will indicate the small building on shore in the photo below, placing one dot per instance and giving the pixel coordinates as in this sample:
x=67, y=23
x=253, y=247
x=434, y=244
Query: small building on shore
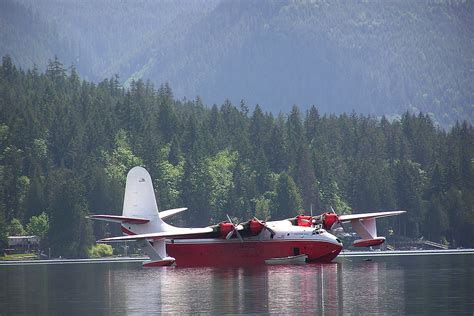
x=19, y=244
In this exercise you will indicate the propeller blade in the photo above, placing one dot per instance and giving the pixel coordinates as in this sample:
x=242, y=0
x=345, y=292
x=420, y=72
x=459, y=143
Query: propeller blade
x=265, y=226
x=270, y=230
x=229, y=235
x=338, y=221
x=238, y=236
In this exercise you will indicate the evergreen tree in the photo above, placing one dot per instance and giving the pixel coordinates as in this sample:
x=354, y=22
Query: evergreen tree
x=295, y=135
x=311, y=124
x=287, y=201
x=307, y=182
x=196, y=192
x=70, y=233
x=277, y=149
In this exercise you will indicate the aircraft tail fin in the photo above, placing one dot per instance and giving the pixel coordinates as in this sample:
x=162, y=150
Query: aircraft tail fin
x=140, y=202
x=140, y=212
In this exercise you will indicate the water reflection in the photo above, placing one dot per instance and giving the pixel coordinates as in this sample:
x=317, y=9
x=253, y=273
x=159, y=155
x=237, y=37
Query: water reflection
x=393, y=286
x=372, y=287
x=322, y=288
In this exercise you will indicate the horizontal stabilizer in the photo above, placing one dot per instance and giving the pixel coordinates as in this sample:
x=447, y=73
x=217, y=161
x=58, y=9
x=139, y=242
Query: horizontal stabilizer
x=178, y=233
x=168, y=213
x=119, y=219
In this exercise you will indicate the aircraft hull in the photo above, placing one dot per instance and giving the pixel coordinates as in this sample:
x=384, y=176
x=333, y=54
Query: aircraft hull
x=218, y=252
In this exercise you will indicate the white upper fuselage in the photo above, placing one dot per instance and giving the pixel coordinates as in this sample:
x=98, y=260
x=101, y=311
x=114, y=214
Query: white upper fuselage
x=283, y=230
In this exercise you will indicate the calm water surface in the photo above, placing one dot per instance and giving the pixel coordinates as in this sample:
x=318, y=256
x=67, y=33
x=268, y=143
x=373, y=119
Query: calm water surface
x=442, y=284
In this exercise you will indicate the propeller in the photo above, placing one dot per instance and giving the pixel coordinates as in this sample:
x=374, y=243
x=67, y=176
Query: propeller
x=265, y=226
x=338, y=221
x=229, y=235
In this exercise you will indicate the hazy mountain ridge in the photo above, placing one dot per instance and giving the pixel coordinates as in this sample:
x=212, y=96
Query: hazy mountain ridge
x=27, y=37
x=371, y=57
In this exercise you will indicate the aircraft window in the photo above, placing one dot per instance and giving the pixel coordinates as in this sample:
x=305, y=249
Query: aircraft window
x=288, y=234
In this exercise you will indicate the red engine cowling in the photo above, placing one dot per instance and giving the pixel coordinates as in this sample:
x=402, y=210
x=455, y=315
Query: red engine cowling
x=255, y=227
x=304, y=220
x=225, y=228
x=329, y=219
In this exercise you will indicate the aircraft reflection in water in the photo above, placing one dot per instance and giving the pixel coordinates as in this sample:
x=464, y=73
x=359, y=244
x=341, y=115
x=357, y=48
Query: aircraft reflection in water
x=391, y=285
x=321, y=288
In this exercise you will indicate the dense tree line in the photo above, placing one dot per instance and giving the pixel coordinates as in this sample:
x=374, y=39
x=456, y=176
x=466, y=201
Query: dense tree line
x=66, y=146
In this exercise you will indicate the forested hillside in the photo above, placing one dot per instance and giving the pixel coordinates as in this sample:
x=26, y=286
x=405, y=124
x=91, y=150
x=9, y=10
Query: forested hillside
x=373, y=57
x=66, y=146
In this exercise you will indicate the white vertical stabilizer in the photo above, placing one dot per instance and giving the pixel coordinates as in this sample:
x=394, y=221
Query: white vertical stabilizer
x=140, y=202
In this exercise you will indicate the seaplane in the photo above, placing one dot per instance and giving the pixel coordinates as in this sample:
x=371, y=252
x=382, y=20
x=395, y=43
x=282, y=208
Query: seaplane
x=227, y=243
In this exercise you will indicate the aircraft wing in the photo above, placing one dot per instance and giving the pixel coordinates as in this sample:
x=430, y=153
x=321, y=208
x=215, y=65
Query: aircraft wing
x=352, y=217
x=365, y=226
x=181, y=233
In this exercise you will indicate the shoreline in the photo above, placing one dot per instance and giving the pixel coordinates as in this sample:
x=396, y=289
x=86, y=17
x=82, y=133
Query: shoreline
x=73, y=261
x=343, y=254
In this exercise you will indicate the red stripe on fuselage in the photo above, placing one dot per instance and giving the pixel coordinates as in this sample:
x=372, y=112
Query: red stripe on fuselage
x=126, y=231
x=226, y=253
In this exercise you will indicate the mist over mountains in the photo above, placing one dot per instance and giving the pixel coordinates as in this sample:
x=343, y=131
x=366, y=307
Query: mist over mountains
x=371, y=57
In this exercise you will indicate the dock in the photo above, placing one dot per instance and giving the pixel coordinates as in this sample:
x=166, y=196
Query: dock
x=389, y=253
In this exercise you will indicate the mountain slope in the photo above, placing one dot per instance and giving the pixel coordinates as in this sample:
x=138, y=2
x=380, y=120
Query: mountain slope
x=371, y=57
x=27, y=37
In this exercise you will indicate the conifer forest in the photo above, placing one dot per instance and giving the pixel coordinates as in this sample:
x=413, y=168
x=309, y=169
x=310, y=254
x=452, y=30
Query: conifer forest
x=66, y=145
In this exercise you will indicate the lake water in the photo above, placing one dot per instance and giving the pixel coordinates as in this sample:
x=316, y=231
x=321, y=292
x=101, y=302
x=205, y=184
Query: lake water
x=440, y=284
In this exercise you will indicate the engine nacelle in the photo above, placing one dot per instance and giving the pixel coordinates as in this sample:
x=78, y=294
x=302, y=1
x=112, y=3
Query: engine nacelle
x=250, y=228
x=329, y=219
x=225, y=228
x=255, y=227
x=305, y=221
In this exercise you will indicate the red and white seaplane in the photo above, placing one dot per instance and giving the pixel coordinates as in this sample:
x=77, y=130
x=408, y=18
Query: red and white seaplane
x=226, y=243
